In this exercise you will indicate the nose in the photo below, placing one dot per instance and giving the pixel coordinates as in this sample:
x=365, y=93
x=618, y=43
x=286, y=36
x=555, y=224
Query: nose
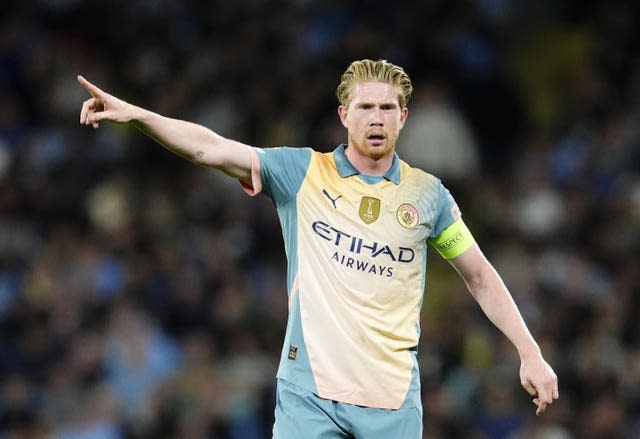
x=375, y=117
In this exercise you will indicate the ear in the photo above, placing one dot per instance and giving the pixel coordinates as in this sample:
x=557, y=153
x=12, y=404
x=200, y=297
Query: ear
x=403, y=116
x=342, y=112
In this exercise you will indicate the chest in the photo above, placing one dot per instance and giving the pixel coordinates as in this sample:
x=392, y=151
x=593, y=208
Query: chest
x=400, y=214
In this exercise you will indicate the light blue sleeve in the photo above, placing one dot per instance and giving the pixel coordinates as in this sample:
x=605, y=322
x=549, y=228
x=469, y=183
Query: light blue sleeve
x=282, y=170
x=447, y=211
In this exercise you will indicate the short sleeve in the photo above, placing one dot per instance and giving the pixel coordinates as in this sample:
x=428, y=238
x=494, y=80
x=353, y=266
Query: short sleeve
x=449, y=235
x=447, y=212
x=278, y=172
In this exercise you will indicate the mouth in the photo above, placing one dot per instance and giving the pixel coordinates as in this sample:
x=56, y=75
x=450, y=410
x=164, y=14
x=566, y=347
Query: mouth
x=376, y=138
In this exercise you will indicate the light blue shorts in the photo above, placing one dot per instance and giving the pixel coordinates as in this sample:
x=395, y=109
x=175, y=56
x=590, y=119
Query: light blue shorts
x=300, y=414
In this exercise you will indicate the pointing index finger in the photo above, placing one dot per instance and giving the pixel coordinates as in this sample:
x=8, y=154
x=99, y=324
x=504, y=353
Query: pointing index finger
x=92, y=89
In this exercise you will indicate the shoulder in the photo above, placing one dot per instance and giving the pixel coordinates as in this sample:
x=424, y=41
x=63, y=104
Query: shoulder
x=282, y=157
x=284, y=151
x=418, y=177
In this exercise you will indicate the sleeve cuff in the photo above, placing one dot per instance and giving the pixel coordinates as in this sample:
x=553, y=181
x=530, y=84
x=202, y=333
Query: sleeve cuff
x=255, y=187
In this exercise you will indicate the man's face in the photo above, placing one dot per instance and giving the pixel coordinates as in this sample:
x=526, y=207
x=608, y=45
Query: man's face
x=374, y=118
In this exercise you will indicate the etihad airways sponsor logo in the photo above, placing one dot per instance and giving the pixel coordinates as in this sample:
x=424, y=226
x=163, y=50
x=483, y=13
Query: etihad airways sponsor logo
x=347, y=242
x=364, y=266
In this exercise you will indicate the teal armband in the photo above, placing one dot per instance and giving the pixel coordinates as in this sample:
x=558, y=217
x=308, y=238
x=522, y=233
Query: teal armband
x=454, y=240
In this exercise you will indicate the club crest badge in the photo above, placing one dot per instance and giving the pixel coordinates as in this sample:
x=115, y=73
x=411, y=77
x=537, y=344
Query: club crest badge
x=407, y=216
x=369, y=209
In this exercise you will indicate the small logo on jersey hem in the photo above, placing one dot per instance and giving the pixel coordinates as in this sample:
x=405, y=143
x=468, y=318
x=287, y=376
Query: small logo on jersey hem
x=407, y=215
x=369, y=209
x=293, y=352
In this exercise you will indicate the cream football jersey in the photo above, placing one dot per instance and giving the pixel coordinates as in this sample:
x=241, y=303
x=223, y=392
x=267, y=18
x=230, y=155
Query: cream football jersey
x=356, y=248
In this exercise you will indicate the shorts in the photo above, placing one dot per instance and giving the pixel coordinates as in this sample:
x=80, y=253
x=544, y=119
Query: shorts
x=301, y=414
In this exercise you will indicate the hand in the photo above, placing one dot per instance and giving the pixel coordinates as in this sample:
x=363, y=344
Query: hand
x=539, y=379
x=102, y=106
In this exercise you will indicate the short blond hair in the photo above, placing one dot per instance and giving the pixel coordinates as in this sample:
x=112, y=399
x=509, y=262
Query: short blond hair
x=368, y=70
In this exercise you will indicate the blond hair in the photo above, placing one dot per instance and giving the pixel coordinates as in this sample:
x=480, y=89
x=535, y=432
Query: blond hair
x=368, y=70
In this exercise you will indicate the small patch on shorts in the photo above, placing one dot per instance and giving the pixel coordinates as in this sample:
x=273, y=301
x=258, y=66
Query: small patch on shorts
x=293, y=352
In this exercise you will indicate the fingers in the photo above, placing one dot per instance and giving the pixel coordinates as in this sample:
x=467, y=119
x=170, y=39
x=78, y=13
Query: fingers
x=90, y=107
x=541, y=382
x=101, y=106
x=88, y=115
x=92, y=89
x=541, y=399
x=529, y=388
x=545, y=396
x=542, y=403
x=94, y=109
x=541, y=407
x=86, y=106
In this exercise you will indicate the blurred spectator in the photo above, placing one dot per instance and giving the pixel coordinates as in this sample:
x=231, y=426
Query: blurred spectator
x=437, y=138
x=139, y=358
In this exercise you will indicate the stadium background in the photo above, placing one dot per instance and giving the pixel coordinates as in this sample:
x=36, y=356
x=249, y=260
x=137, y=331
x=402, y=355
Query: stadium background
x=142, y=296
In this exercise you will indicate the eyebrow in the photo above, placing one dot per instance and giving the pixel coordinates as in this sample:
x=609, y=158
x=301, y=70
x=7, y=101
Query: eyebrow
x=383, y=105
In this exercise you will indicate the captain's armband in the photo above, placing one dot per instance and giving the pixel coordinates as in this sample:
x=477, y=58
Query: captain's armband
x=454, y=240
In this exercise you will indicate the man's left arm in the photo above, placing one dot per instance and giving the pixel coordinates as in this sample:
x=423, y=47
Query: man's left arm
x=488, y=289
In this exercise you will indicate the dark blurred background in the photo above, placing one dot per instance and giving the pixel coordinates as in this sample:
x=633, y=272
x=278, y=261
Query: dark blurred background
x=142, y=296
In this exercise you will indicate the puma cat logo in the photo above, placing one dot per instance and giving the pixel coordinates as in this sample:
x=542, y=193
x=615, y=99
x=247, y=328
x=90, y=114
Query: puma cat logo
x=333, y=200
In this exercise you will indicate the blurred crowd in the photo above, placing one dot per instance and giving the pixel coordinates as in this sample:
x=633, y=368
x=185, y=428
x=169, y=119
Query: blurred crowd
x=142, y=296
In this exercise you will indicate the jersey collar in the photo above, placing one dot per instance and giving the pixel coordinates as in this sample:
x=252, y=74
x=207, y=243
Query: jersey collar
x=346, y=169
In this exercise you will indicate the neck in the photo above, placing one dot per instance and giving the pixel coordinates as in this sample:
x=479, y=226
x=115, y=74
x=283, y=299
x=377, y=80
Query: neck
x=373, y=166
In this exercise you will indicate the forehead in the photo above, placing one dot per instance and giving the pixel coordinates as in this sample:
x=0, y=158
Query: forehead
x=374, y=91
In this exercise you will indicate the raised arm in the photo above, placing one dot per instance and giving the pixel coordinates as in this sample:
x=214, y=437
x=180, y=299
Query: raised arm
x=486, y=286
x=194, y=142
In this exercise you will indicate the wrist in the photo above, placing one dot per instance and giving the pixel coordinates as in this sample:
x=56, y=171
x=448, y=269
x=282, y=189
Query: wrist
x=529, y=351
